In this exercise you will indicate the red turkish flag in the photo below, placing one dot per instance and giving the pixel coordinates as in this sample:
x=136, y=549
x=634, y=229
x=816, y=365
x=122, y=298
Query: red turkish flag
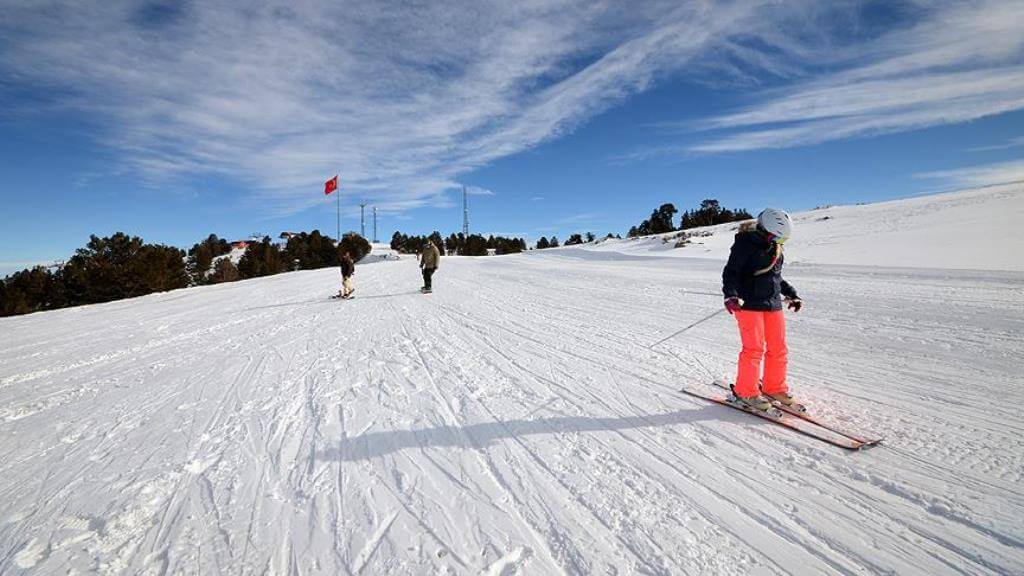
x=331, y=185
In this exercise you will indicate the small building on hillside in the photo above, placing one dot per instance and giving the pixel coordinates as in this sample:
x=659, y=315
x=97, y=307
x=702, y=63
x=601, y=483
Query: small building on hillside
x=240, y=244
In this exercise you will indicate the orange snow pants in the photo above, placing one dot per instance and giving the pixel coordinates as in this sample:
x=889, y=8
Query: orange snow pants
x=764, y=336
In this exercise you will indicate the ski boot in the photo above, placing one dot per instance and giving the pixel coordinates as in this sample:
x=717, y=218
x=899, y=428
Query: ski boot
x=756, y=403
x=786, y=400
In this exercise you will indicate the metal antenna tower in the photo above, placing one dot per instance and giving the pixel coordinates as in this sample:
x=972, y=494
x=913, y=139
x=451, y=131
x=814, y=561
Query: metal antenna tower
x=374, y=224
x=362, y=220
x=465, y=212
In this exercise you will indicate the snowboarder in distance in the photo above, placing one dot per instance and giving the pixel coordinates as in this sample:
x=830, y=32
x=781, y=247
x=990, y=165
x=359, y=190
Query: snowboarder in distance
x=348, y=268
x=430, y=257
x=754, y=292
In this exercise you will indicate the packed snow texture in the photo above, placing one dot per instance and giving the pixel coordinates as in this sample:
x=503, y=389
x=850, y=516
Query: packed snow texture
x=516, y=422
x=971, y=230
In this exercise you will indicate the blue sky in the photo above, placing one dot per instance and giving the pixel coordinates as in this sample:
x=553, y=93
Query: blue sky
x=172, y=120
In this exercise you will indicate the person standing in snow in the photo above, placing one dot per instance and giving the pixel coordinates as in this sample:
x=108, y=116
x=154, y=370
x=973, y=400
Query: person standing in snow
x=754, y=292
x=348, y=268
x=430, y=257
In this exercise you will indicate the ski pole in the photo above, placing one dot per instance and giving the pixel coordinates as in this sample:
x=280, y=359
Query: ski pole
x=701, y=321
x=717, y=294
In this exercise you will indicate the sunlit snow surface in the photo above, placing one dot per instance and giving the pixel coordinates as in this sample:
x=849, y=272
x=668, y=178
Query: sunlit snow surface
x=514, y=421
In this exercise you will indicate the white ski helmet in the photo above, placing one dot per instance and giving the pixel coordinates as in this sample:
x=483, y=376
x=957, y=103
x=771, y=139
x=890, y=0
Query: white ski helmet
x=775, y=222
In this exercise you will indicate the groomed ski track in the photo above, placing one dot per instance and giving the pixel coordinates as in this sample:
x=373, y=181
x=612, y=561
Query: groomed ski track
x=514, y=421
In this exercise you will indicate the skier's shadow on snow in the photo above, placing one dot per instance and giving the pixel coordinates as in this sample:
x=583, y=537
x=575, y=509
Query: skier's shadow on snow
x=478, y=436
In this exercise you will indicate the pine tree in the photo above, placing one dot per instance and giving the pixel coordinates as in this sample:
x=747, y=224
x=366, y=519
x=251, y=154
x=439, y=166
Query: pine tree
x=262, y=258
x=711, y=213
x=356, y=246
x=156, y=268
x=100, y=271
x=29, y=290
x=661, y=219
x=224, y=271
x=509, y=245
x=476, y=245
x=201, y=255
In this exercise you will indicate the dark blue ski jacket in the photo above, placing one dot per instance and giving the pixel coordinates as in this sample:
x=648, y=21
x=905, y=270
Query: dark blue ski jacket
x=754, y=273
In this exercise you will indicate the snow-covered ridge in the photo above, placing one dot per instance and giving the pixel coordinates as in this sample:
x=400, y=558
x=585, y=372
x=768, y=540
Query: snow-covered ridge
x=980, y=229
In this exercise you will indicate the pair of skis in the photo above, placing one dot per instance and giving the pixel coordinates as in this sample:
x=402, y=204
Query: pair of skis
x=340, y=296
x=794, y=419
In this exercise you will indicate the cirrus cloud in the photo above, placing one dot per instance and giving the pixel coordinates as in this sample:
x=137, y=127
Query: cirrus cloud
x=401, y=99
x=963, y=61
x=405, y=100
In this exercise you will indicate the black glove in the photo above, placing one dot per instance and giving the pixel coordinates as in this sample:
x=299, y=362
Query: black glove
x=794, y=304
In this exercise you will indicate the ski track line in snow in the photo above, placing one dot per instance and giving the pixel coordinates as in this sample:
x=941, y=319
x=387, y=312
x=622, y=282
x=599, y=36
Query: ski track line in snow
x=373, y=543
x=555, y=477
x=639, y=557
x=484, y=459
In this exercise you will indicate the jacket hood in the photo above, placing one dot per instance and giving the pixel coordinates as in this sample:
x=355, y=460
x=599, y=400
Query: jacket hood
x=753, y=237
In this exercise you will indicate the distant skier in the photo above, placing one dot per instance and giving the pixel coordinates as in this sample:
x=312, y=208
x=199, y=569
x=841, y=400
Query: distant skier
x=430, y=257
x=754, y=291
x=348, y=268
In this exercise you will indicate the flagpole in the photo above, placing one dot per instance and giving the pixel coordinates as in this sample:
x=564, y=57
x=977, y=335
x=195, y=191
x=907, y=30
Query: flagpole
x=339, y=213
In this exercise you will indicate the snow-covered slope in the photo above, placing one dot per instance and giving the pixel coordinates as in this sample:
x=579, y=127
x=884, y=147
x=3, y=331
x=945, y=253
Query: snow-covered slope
x=514, y=421
x=380, y=253
x=969, y=230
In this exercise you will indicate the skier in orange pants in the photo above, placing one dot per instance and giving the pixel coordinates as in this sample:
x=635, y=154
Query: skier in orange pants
x=754, y=291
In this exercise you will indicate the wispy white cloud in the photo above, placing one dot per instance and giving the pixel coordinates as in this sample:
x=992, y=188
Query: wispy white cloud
x=1011, y=143
x=959, y=63
x=579, y=218
x=404, y=100
x=478, y=191
x=401, y=100
x=977, y=176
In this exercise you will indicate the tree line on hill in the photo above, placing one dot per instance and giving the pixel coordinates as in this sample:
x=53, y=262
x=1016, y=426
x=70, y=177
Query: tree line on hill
x=709, y=214
x=574, y=239
x=662, y=220
x=123, y=266
x=460, y=244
